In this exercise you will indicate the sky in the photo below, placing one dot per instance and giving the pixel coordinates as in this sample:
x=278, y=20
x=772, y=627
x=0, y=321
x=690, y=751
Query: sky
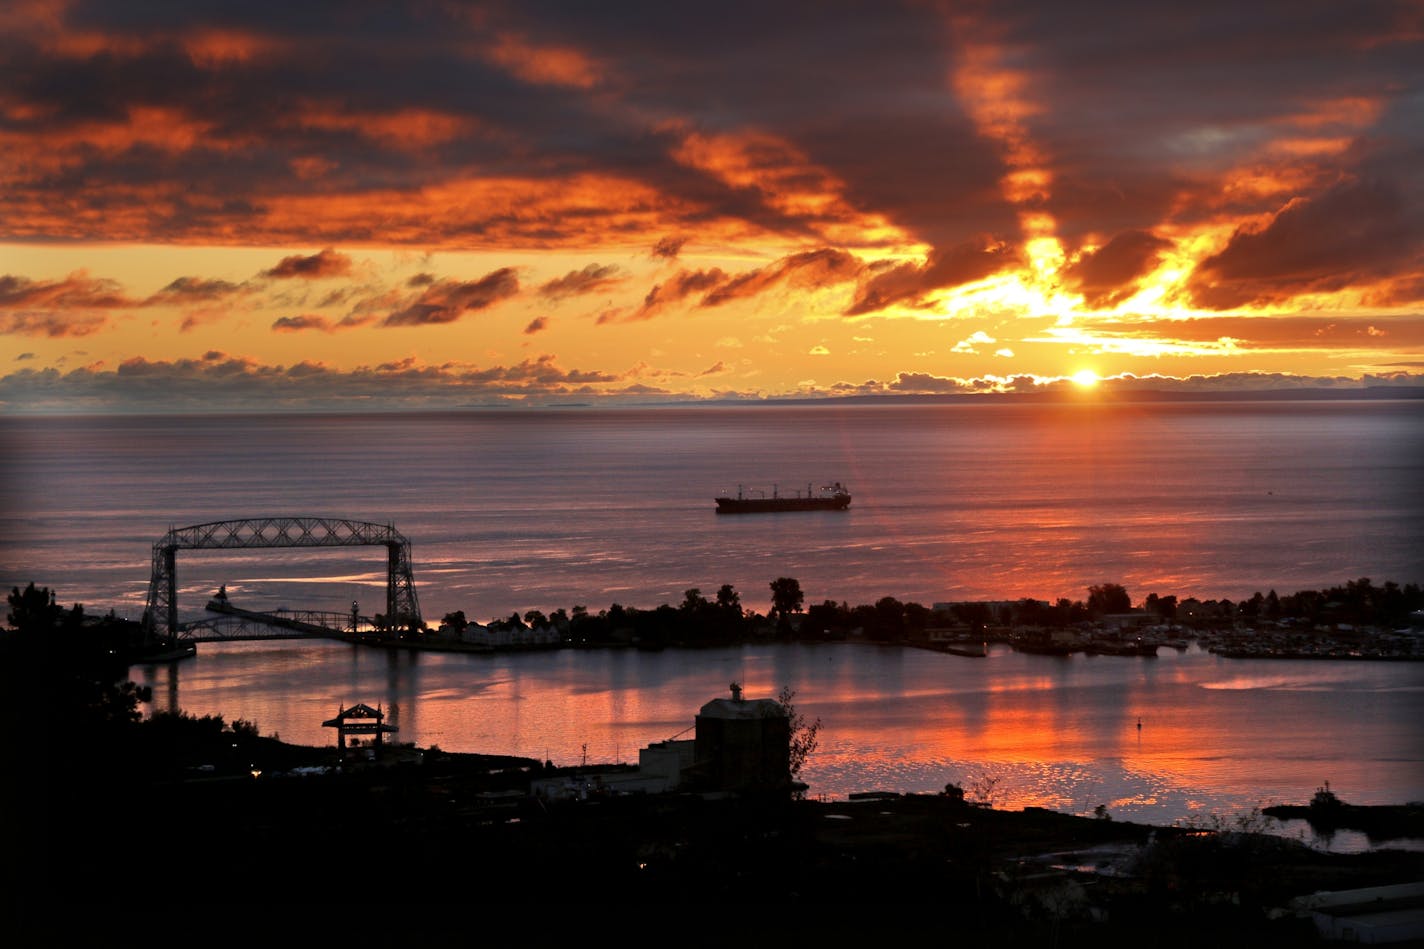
x=224, y=205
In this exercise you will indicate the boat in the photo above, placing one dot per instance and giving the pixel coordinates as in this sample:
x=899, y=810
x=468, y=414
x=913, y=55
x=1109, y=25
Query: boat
x=972, y=650
x=832, y=497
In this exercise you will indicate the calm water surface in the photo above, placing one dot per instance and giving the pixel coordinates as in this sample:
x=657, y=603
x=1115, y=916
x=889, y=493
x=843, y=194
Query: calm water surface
x=514, y=510
x=511, y=511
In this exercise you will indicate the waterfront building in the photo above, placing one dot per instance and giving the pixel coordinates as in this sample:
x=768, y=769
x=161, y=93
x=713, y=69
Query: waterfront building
x=741, y=746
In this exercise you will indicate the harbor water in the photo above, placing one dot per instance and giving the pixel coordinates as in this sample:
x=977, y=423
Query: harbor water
x=1186, y=737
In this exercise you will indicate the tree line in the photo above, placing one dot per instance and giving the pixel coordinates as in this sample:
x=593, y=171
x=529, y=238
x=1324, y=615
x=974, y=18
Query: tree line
x=723, y=620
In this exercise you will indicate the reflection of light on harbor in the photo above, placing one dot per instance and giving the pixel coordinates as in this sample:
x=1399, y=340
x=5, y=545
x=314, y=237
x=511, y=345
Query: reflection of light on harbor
x=1324, y=679
x=1054, y=733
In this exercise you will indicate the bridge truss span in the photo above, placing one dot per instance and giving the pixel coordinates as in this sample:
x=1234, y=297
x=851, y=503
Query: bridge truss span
x=402, y=607
x=283, y=532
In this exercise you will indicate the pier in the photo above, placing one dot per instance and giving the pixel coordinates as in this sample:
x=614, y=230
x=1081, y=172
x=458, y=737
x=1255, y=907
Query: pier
x=240, y=624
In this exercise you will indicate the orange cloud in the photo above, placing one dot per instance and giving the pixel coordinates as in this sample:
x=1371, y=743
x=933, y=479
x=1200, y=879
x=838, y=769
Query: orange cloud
x=410, y=129
x=580, y=211
x=808, y=270
x=781, y=178
x=999, y=99
x=683, y=284
x=168, y=130
x=544, y=64
x=220, y=48
x=448, y=300
x=590, y=279
x=51, y=324
x=78, y=291
x=327, y=263
x=193, y=290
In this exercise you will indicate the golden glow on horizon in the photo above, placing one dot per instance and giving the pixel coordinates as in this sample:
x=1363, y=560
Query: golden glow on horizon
x=1086, y=378
x=998, y=332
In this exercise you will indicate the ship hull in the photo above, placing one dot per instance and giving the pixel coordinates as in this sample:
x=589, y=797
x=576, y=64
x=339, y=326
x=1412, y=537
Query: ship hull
x=772, y=505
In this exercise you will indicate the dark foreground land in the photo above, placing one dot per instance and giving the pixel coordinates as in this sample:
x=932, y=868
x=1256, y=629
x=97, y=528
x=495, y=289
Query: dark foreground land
x=438, y=833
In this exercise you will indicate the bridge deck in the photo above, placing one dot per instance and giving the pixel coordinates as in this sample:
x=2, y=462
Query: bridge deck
x=246, y=625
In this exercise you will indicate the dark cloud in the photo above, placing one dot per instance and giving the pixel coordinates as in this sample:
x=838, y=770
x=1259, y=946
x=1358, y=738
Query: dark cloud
x=75, y=292
x=590, y=279
x=1341, y=331
x=823, y=267
x=1354, y=233
x=218, y=379
x=669, y=247
x=536, y=325
x=327, y=263
x=811, y=269
x=906, y=284
x=448, y=300
x=51, y=324
x=926, y=382
x=680, y=286
x=187, y=290
x=1109, y=275
x=72, y=306
x=1245, y=382
x=306, y=321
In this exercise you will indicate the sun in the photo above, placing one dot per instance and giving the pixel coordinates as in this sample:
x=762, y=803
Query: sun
x=1086, y=378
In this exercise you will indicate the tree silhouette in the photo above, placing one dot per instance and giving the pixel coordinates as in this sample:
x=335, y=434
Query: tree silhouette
x=804, y=735
x=786, y=598
x=693, y=601
x=77, y=674
x=34, y=610
x=1108, y=598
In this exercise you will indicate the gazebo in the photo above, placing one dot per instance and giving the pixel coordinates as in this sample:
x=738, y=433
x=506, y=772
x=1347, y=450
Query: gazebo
x=359, y=719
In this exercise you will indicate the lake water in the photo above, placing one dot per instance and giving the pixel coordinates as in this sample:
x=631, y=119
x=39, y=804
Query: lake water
x=511, y=511
x=544, y=509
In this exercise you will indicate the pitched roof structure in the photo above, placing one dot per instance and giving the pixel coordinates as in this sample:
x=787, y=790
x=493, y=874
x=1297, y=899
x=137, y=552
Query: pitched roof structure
x=359, y=719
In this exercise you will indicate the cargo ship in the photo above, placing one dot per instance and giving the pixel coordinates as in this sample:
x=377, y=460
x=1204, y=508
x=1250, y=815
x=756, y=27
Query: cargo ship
x=831, y=497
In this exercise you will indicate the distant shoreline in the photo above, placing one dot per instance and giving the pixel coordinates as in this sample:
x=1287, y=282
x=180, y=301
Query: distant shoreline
x=1104, y=394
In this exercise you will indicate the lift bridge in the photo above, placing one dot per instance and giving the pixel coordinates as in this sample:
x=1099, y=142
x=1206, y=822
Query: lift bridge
x=160, y=618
